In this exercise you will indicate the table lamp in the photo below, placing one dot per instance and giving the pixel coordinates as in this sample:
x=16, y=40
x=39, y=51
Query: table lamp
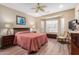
x=8, y=27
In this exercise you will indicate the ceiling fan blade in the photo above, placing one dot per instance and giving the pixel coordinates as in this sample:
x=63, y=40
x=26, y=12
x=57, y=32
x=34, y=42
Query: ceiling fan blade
x=43, y=6
x=39, y=7
x=37, y=10
x=42, y=9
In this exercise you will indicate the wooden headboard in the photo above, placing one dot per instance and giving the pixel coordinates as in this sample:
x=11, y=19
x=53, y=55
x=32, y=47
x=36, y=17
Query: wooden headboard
x=20, y=29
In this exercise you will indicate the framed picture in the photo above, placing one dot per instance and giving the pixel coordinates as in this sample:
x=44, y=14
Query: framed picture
x=20, y=20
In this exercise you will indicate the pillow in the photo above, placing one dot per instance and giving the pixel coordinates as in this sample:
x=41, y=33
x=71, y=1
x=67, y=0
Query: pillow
x=23, y=32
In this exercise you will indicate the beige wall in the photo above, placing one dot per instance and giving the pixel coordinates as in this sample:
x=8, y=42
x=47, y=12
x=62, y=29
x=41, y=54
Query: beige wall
x=77, y=12
x=8, y=15
x=67, y=15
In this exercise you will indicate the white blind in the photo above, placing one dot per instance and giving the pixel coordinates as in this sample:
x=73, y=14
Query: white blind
x=52, y=26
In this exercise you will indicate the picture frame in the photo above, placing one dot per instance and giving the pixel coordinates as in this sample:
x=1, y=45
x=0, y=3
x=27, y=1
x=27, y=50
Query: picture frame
x=20, y=20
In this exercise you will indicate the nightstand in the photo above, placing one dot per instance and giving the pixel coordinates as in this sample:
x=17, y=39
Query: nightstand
x=7, y=41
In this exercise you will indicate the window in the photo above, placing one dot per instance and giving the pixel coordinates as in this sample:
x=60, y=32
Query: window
x=52, y=26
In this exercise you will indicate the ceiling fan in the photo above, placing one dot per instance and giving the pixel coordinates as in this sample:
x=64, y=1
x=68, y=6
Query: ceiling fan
x=39, y=7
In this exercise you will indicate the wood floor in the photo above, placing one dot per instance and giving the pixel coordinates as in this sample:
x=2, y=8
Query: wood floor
x=51, y=48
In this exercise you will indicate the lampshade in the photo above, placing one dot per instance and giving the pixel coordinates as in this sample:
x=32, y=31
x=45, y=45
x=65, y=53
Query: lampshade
x=8, y=25
x=32, y=25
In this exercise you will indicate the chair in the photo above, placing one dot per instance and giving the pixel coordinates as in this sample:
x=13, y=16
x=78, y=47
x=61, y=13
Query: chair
x=64, y=38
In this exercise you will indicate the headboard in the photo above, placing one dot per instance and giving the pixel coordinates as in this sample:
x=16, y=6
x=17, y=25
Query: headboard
x=20, y=29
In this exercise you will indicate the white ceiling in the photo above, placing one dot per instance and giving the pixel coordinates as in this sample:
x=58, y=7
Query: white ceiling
x=51, y=8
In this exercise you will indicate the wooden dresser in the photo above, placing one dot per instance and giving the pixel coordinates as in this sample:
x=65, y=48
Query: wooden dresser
x=7, y=41
x=75, y=43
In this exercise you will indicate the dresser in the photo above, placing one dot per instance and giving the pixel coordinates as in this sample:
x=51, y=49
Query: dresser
x=75, y=43
x=7, y=41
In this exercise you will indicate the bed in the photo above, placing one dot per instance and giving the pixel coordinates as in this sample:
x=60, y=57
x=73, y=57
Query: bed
x=30, y=41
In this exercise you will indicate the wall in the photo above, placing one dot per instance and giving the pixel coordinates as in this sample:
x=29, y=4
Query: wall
x=8, y=15
x=67, y=15
x=77, y=11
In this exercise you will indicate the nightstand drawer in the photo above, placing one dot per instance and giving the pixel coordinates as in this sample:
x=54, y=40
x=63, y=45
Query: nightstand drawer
x=7, y=41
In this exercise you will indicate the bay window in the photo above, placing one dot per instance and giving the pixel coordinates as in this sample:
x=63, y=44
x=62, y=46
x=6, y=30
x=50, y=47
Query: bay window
x=53, y=25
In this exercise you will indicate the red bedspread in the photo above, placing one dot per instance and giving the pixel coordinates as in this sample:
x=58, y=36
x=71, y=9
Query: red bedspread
x=30, y=41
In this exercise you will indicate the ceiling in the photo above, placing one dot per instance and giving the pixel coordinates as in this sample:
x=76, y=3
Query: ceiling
x=51, y=7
